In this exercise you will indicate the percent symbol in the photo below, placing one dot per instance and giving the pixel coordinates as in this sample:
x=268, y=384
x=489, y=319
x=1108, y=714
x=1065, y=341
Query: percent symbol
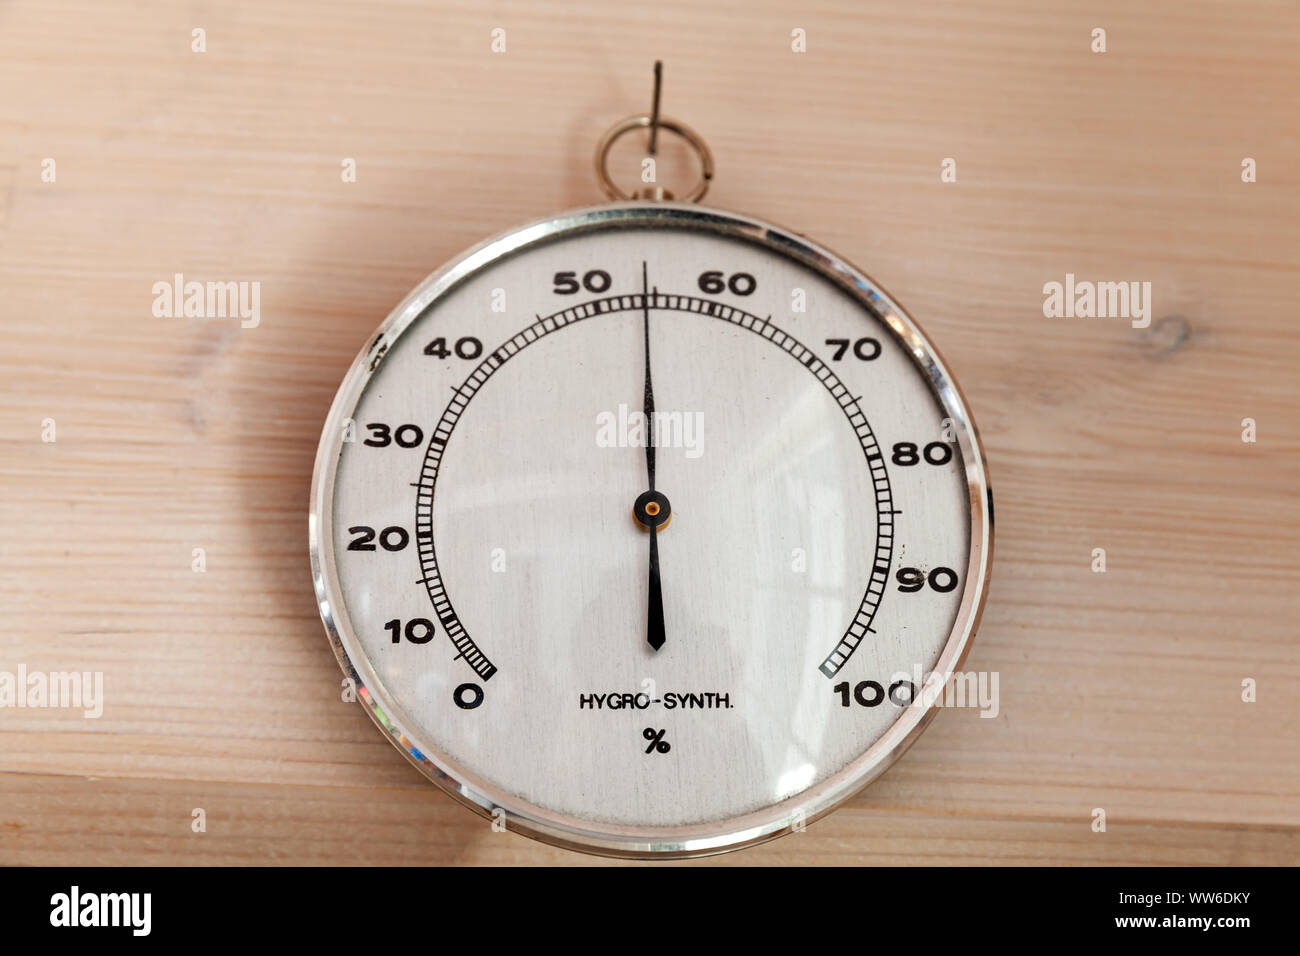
x=657, y=742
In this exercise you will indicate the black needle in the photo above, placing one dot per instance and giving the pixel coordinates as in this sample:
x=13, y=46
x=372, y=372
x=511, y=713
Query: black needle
x=655, y=610
x=649, y=407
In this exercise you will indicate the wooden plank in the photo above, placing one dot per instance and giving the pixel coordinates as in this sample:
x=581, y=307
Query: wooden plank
x=1119, y=690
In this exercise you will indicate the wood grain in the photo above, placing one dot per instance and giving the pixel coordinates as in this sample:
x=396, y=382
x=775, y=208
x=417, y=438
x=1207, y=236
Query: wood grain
x=1119, y=690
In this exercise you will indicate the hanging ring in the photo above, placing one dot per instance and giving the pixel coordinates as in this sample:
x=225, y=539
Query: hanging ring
x=644, y=121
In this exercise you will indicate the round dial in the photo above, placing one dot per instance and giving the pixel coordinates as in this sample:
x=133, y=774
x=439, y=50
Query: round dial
x=644, y=528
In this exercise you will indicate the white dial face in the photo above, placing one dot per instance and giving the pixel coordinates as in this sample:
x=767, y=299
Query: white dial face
x=646, y=529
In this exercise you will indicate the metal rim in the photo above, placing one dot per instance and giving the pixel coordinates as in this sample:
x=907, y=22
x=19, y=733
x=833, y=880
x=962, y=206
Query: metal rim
x=644, y=121
x=571, y=832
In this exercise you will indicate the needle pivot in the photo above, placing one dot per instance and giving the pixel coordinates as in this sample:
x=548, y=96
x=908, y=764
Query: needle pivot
x=652, y=510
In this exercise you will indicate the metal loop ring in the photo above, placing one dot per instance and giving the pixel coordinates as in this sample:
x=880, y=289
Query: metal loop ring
x=643, y=121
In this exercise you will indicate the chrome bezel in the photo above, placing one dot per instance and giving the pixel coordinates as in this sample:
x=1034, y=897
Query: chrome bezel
x=572, y=832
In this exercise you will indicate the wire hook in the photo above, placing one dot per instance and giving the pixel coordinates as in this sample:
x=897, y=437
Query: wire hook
x=654, y=106
x=653, y=121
